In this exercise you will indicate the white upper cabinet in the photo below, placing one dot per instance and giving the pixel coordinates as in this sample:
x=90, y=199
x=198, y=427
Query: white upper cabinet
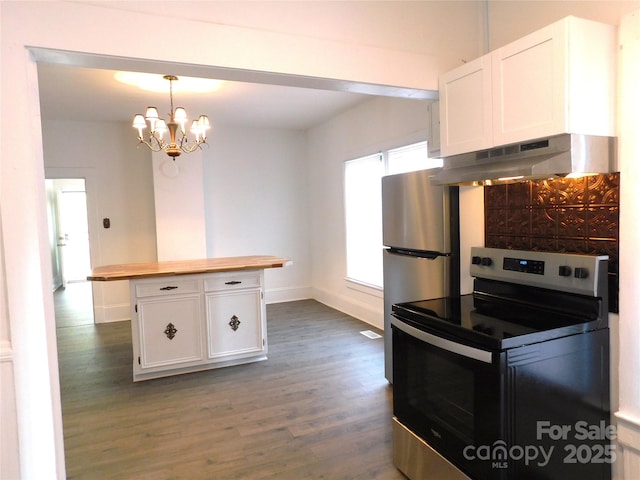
x=560, y=79
x=465, y=107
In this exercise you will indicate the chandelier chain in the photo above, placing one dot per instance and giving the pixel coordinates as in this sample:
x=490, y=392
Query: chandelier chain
x=171, y=96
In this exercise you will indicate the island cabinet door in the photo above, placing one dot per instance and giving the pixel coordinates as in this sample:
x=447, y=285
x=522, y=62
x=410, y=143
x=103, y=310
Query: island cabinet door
x=170, y=331
x=236, y=324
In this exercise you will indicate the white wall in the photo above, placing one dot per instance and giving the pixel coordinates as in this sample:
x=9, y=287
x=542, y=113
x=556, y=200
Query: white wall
x=509, y=20
x=178, y=190
x=377, y=124
x=119, y=185
x=309, y=37
x=256, y=203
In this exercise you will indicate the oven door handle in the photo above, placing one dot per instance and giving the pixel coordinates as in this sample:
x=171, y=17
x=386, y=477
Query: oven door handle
x=448, y=345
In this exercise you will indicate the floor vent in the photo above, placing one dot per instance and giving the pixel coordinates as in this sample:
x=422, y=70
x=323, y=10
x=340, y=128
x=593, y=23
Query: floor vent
x=370, y=334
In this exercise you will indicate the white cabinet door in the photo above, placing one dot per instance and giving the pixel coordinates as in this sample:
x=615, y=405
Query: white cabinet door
x=465, y=108
x=560, y=79
x=529, y=79
x=236, y=325
x=170, y=331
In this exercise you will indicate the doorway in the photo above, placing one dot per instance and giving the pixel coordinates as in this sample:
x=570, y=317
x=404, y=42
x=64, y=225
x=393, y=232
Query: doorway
x=70, y=251
x=103, y=61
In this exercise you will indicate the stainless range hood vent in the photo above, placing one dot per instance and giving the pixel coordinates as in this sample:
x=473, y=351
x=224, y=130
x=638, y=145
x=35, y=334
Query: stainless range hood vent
x=552, y=157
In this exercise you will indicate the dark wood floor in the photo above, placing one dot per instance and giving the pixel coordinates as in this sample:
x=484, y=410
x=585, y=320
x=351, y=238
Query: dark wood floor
x=318, y=408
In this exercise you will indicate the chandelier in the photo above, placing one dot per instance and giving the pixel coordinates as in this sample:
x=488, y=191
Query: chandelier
x=177, y=121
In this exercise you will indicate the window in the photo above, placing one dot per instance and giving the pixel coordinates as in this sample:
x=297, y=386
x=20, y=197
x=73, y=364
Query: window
x=363, y=206
x=410, y=158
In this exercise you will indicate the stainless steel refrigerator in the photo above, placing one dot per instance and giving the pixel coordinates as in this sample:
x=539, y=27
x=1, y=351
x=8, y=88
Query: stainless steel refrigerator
x=421, y=242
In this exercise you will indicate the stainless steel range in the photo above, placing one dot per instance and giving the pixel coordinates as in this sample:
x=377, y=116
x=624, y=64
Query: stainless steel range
x=512, y=381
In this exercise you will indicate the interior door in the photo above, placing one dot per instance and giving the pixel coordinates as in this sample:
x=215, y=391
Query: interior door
x=73, y=238
x=68, y=230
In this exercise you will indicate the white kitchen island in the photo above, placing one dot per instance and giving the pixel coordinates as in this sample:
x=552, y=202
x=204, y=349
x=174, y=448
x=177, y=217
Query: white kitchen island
x=193, y=315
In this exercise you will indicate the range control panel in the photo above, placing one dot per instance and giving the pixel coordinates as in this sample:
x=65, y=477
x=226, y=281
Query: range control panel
x=523, y=265
x=582, y=274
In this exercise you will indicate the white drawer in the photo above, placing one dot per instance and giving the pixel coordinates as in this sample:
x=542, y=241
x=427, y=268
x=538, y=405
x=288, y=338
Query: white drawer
x=233, y=280
x=170, y=286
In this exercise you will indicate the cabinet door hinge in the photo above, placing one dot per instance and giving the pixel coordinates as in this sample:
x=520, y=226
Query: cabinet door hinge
x=136, y=307
x=139, y=360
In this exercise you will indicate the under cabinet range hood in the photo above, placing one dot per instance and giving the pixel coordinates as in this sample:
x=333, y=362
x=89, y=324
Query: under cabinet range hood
x=551, y=157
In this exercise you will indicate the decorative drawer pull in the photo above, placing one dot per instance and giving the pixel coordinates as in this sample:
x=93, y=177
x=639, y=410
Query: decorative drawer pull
x=233, y=282
x=234, y=323
x=170, y=331
x=170, y=287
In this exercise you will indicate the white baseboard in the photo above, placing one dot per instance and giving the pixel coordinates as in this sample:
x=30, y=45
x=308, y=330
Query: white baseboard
x=365, y=312
x=627, y=464
x=112, y=313
x=279, y=295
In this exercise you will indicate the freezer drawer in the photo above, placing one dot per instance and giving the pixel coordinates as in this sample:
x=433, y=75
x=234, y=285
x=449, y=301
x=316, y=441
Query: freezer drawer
x=407, y=279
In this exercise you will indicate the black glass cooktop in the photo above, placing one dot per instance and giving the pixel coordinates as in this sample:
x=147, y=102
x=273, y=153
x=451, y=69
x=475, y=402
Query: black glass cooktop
x=498, y=324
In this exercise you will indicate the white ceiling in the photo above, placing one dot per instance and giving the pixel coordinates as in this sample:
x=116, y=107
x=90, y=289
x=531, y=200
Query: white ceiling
x=91, y=94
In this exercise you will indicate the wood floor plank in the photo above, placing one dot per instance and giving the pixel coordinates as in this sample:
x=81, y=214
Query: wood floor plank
x=318, y=408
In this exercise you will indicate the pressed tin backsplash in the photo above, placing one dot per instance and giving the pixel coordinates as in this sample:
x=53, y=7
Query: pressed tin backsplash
x=578, y=215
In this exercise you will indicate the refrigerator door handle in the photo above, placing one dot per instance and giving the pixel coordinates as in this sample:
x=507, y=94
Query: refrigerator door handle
x=407, y=252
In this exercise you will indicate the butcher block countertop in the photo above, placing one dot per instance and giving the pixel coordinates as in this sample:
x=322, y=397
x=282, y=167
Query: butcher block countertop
x=128, y=271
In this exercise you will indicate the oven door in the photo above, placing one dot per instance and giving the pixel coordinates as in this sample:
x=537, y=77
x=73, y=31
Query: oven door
x=449, y=394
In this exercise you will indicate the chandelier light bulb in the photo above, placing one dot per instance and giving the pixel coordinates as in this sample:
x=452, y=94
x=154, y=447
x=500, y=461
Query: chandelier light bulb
x=158, y=126
x=195, y=129
x=204, y=124
x=139, y=123
x=161, y=127
x=180, y=115
x=152, y=117
x=152, y=113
